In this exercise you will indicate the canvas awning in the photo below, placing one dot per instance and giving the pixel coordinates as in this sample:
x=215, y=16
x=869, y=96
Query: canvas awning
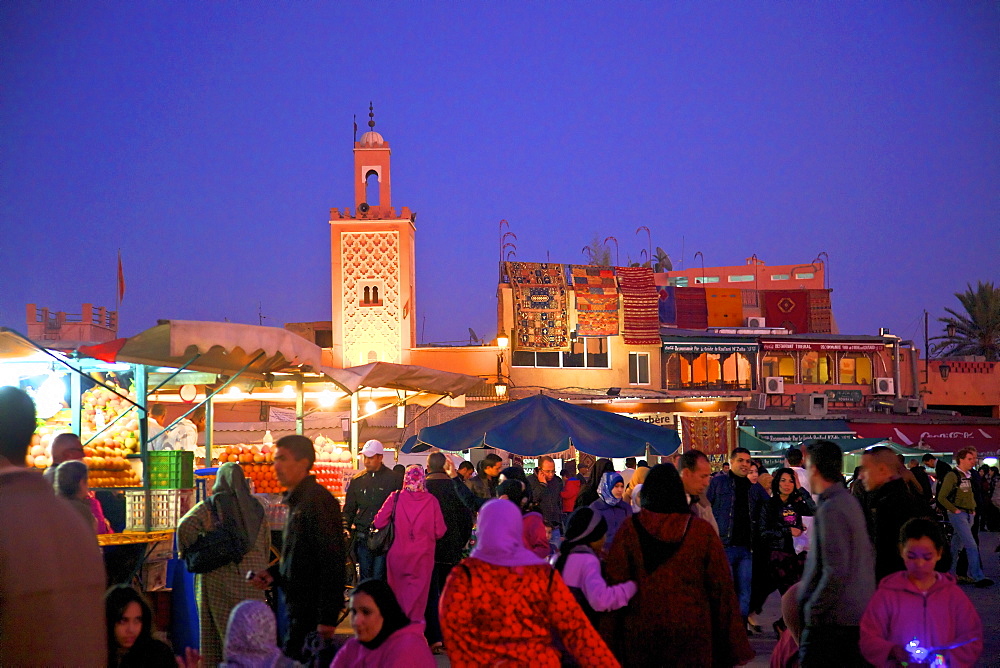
x=405, y=377
x=214, y=347
x=795, y=431
x=16, y=346
x=945, y=437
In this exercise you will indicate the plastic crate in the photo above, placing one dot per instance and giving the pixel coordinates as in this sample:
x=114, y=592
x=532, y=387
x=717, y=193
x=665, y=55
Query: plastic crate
x=167, y=505
x=171, y=469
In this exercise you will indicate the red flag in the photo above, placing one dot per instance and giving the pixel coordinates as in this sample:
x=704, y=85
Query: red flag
x=121, y=279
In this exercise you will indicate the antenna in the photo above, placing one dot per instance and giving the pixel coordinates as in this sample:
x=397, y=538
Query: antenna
x=260, y=314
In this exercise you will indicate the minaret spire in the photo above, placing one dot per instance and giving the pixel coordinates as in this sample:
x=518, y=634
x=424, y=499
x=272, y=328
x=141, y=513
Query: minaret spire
x=371, y=115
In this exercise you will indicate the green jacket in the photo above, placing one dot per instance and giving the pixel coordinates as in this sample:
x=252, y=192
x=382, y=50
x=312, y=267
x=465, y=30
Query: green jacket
x=959, y=485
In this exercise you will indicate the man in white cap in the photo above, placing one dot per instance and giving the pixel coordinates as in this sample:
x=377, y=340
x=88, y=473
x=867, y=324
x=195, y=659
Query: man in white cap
x=365, y=495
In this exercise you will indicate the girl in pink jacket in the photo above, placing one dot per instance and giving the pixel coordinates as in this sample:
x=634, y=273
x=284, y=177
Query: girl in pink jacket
x=920, y=605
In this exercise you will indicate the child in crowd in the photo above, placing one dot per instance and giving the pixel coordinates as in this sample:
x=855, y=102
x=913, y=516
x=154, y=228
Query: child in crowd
x=920, y=604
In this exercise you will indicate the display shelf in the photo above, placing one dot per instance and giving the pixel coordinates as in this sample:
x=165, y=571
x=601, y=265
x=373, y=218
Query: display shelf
x=134, y=537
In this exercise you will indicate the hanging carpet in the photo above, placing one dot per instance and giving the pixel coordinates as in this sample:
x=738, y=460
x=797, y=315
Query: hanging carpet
x=820, y=312
x=540, y=312
x=709, y=434
x=725, y=307
x=788, y=309
x=692, y=311
x=667, y=304
x=596, y=300
x=640, y=304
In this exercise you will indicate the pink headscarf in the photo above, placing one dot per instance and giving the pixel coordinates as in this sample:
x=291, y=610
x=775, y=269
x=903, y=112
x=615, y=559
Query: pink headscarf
x=499, y=538
x=413, y=479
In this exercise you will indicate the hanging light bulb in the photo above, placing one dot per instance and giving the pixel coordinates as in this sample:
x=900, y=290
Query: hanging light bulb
x=234, y=392
x=327, y=398
x=288, y=391
x=371, y=406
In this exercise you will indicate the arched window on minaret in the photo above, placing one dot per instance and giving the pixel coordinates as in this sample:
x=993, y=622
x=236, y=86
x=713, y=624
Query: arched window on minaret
x=375, y=299
x=368, y=295
x=371, y=188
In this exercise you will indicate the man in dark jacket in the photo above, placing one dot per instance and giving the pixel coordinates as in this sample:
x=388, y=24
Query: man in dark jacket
x=458, y=519
x=890, y=503
x=484, y=483
x=739, y=509
x=366, y=493
x=310, y=573
x=546, y=495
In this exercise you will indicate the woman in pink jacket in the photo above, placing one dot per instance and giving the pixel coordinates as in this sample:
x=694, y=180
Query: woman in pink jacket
x=418, y=524
x=922, y=605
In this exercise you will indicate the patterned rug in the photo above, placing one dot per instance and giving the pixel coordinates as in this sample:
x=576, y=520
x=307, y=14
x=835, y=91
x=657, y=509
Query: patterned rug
x=725, y=307
x=820, y=312
x=667, y=304
x=541, y=320
x=692, y=311
x=710, y=434
x=596, y=300
x=640, y=303
x=788, y=309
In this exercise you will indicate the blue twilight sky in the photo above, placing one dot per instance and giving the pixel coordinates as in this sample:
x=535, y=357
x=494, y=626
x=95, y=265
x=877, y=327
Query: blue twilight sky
x=208, y=141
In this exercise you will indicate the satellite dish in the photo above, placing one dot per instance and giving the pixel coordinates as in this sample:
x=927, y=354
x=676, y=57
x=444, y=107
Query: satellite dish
x=363, y=207
x=472, y=336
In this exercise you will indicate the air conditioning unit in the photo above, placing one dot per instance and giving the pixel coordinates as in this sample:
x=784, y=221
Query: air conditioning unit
x=756, y=323
x=885, y=386
x=810, y=403
x=775, y=385
x=907, y=406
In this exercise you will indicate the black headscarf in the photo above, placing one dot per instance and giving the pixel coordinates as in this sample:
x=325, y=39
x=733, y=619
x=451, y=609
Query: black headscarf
x=663, y=491
x=393, y=617
x=232, y=500
x=517, y=473
x=588, y=493
x=516, y=492
x=584, y=526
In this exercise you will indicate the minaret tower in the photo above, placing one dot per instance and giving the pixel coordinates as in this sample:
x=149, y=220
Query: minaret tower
x=372, y=264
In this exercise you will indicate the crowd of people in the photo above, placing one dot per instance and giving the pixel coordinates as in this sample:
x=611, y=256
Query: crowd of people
x=657, y=565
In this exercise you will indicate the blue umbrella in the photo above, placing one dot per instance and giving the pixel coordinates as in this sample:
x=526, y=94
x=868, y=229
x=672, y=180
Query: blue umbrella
x=539, y=425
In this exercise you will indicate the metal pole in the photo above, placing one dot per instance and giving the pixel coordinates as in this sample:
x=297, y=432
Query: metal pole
x=355, y=428
x=927, y=351
x=300, y=405
x=209, y=429
x=76, y=406
x=140, y=377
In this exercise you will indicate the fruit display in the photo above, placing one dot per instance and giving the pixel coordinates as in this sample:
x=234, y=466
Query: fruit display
x=101, y=407
x=332, y=461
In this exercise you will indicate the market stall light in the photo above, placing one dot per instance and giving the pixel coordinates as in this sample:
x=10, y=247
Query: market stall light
x=327, y=398
x=500, y=389
x=234, y=392
x=990, y=461
x=288, y=391
x=50, y=396
x=371, y=406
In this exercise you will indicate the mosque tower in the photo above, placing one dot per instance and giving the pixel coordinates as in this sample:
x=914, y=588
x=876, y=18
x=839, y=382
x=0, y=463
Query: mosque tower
x=372, y=264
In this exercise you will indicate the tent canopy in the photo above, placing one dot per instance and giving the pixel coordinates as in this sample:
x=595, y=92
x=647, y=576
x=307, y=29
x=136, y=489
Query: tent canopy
x=540, y=425
x=219, y=347
x=401, y=377
x=16, y=346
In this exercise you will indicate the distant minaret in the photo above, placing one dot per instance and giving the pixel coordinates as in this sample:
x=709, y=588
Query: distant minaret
x=372, y=264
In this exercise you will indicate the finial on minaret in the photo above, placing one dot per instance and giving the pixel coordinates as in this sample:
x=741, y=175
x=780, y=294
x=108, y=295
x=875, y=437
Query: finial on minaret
x=371, y=116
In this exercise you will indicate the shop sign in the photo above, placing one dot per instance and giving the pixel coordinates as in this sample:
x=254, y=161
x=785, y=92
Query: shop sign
x=935, y=437
x=798, y=437
x=659, y=419
x=791, y=346
x=712, y=348
x=845, y=396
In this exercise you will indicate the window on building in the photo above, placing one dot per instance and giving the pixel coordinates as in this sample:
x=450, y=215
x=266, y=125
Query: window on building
x=779, y=277
x=678, y=281
x=706, y=279
x=638, y=368
x=856, y=369
x=808, y=274
x=817, y=368
x=324, y=338
x=778, y=364
x=589, y=352
x=371, y=188
x=745, y=278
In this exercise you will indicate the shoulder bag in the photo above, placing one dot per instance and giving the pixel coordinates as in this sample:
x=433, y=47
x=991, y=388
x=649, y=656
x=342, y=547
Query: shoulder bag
x=216, y=548
x=380, y=540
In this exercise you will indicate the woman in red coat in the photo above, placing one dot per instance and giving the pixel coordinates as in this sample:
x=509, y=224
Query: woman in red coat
x=686, y=612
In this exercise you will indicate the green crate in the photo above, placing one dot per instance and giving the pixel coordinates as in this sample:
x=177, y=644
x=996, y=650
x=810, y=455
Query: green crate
x=171, y=469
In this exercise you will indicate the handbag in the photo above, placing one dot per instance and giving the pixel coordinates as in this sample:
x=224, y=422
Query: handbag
x=216, y=548
x=380, y=540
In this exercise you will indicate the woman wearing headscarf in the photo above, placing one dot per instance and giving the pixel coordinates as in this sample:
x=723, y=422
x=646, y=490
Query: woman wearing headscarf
x=502, y=605
x=588, y=493
x=71, y=480
x=611, y=506
x=251, y=638
x=631, y=495
x=418, y=523
x=580, y=567
x=219, y=591
x=685, y=612
x=383, y=634
x=535, y=537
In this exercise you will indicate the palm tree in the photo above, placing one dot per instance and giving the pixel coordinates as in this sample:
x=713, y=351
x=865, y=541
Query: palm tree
x=977, y=331
x=598, y=252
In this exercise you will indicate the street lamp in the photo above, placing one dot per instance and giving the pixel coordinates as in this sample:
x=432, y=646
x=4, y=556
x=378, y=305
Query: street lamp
x=944, y=370
x=500, y=387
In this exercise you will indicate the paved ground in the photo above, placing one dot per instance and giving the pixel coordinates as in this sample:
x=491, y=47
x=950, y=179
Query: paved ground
x=987, y=602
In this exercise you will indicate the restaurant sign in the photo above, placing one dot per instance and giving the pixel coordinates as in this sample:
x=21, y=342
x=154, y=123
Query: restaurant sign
x=845, y=396
x=659, y=419
x=823, y=346
x=711, y=348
